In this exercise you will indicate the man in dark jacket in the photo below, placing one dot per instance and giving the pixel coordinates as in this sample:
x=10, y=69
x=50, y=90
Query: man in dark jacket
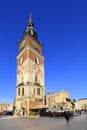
x=67, y=116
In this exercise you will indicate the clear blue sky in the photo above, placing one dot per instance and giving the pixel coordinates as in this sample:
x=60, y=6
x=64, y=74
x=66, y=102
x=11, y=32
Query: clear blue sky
x=62, y=28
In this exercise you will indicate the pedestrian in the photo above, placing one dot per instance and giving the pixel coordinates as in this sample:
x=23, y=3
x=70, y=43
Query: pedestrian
x=67, y=117
x=79, y=112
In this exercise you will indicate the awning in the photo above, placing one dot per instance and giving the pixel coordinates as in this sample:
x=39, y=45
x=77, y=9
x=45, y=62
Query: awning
x=39, y=107
x=58, y=109
x=54, y=109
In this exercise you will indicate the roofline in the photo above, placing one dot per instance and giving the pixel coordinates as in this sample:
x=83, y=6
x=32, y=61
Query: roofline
x=31, y=37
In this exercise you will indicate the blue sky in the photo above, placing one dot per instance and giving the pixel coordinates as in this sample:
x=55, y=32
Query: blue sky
x=62, y=28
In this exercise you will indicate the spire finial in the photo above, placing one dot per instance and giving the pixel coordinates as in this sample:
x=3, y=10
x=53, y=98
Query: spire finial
x=30, y=17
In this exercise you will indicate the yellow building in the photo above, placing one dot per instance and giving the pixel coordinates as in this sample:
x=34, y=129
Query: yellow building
x=59, y=99
x=81, y=103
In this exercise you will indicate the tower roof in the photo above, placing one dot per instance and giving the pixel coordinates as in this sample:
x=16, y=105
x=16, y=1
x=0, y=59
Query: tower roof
x=30, y=28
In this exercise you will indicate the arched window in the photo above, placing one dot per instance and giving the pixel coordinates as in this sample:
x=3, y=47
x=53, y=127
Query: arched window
x=36, y=60
x=38, y=91
x=21, y=60
x=22, y=91
x=18, y=91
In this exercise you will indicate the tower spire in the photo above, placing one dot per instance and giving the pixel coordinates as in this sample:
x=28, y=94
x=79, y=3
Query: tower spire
x=30, y=17
x=30, y=28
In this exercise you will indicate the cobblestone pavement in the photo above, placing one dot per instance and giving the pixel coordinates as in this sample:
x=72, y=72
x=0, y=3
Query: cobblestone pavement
x=43, y=123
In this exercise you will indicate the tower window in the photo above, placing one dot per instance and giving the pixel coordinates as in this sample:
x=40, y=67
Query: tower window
x=21, y=61
x=36, y=60
x=22, y=91
x=34, y=91
x=18, y=91
x=38, y=91
x=36, y=79
x=32, y=32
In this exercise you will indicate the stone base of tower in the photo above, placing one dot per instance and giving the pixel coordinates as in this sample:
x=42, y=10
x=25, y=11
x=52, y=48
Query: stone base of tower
x=28, y=107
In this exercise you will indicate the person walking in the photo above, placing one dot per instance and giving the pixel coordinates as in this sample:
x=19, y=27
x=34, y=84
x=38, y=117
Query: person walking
x=67, y=117
x=80, y=112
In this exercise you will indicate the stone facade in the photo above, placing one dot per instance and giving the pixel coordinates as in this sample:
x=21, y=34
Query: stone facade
x=5, y=106
x=81, y=104
x=59, y=99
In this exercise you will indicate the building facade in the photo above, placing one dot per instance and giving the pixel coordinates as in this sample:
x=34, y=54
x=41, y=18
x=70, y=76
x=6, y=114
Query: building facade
x=30, y=72
x=59, y=99
x=5, y=107
x=81, y=104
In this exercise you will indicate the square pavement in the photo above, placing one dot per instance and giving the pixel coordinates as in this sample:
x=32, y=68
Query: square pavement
x=43, y=123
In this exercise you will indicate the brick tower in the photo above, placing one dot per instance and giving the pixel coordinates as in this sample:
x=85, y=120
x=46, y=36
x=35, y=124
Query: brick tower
x=30, y=72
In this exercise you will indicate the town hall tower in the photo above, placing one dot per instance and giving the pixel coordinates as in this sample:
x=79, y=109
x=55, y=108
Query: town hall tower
x=30, y=72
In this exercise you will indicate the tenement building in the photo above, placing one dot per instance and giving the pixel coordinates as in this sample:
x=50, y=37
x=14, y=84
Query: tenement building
x=30, y=72
x=59, y=99
x=81, y=104
x=5, y=107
